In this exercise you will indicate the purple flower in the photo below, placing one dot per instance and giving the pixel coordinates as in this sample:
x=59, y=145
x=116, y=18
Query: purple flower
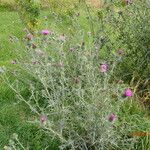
x=29, y=36
x=43, y=118
x=45, y=32
x=112, y=117
x=128, y=2
x=127, y=93
x=103, y=68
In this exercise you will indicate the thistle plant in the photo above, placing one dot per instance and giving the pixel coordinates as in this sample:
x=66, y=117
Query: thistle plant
x=73, y=92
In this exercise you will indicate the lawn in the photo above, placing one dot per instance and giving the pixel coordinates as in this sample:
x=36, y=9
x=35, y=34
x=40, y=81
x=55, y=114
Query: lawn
x=16, y=116
x=13, y=113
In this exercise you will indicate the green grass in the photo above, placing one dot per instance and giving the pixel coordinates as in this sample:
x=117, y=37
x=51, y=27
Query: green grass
x=10, y=26
x=14, y=115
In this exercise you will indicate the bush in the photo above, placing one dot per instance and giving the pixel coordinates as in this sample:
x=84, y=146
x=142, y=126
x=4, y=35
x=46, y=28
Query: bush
x=72, y=92
x=132, y=23
x=29, y=12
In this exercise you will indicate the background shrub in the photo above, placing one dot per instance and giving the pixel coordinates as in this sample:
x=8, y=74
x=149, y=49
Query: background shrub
x=29, y=11
x=131, y=25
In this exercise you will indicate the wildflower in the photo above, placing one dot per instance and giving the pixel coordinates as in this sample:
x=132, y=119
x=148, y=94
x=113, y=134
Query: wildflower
x=127, y=93
x=128, y=2
x=29, y=36
x=43, y=119
x=112, y=117
x=14, y=62
x=103, y=68
x=45, y=32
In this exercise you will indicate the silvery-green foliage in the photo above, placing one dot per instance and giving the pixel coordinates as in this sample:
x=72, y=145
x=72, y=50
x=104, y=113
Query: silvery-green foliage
x=65, y=84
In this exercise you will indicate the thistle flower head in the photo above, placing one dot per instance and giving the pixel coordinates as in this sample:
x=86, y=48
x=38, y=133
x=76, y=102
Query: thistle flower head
x=29, y=36
x=128, y=2
x=127, y=93
x=103, y=68
x=112, y=117
x=43, y=118
x=45, y=32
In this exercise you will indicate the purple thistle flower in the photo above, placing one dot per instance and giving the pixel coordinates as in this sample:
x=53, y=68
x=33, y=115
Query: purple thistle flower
x=29, y=36
x=45, y=32
x=128, y=2
x=103, y=68
x=127, y=93
x=112, y=117
x=43, y=118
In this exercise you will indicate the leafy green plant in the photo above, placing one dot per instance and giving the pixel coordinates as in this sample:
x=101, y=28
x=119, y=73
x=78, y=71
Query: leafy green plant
x=29, y=11
x=62, y=8
x=133, y=31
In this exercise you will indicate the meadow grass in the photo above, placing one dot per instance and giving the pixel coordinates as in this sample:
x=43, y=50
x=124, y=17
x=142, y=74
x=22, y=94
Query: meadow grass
x=13, y=113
